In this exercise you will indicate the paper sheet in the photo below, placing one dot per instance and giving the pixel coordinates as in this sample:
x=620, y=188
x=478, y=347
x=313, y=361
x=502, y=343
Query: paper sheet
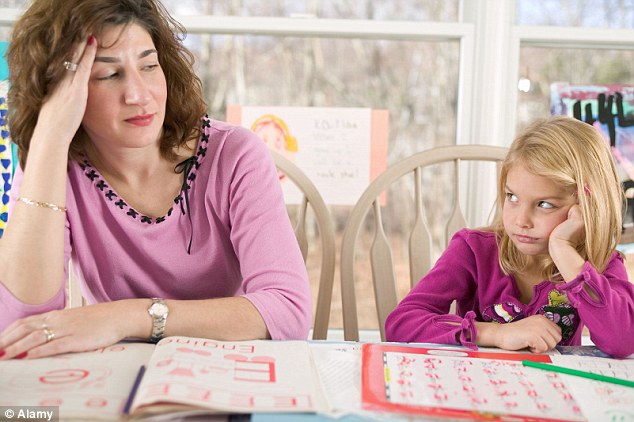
x=600, y=401
x=241, y=377
x=88, y=386
x=462, y=383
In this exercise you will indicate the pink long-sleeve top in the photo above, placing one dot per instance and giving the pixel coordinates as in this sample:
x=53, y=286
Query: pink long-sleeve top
x=469, y=272
x=242, y=242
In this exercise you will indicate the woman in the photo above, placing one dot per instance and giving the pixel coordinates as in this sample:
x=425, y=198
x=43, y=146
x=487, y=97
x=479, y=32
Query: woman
x=174, y=223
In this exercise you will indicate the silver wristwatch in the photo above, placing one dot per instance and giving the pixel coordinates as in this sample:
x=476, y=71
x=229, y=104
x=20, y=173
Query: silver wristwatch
x=158, y=310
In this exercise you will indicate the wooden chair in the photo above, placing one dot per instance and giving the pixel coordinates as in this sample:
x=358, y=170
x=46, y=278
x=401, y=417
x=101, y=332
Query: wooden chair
x=420, y=237
x=310, y=195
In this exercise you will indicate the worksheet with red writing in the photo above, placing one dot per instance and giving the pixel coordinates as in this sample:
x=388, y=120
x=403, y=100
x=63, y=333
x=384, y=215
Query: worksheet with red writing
x=89, y=386
x=241, y=377
x=601, y=401
x=463, y=384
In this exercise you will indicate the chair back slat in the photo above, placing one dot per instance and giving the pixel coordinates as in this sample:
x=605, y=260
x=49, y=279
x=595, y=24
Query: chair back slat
x=456, y=219
x=300, y=227
x=420, y=240
x=382, y=269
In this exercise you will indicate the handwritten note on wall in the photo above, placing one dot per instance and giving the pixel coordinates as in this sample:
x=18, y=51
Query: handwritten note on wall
x=333, y=146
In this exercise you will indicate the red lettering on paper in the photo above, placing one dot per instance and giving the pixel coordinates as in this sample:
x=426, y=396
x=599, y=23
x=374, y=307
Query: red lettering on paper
x=197, y=393
x=64, y=376
x=96, y=402
x=51, y=402
x=242, y=400
x=158, y=389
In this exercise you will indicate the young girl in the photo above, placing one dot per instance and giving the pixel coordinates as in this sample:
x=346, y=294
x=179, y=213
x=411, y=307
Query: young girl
x=548, y=265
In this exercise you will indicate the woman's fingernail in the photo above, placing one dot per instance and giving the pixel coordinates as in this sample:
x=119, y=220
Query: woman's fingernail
x=2, y=353
x=91, y=40
x=21, y=355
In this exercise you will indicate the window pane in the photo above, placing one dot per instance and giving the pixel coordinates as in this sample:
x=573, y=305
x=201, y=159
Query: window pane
x=544, y=66
x=413, y=10
x=416, y=82
x=13, y=3
x=585, y=13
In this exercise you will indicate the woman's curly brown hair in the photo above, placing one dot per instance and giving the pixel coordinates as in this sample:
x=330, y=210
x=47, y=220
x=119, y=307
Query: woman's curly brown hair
x=48, y=32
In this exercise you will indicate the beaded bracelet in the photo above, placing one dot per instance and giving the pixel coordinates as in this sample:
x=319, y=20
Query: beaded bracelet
x=42, y=204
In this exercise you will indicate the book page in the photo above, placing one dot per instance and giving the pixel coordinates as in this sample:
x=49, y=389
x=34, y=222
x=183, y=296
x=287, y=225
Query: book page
x=598, y=400
x=441, y=382
x=339, y=369
x=240, y=377
x=87, y=386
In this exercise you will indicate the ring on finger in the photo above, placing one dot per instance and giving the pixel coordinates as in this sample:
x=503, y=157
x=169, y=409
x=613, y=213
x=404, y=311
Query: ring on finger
x=50, y=335
x=70, y=66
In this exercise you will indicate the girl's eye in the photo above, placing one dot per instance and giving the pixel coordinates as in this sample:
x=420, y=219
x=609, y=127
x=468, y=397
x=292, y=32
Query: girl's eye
x=546, y=205
x=151, y=66
x=511, y=197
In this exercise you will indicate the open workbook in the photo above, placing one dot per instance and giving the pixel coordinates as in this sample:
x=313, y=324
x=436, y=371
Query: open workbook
x=492, y=386
x=181, y=375
x=188, y=376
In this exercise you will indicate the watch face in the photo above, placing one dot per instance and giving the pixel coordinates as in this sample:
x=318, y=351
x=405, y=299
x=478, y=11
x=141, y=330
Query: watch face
x=158, y=310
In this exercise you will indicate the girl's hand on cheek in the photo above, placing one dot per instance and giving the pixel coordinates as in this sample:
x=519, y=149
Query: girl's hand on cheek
x=571, y=231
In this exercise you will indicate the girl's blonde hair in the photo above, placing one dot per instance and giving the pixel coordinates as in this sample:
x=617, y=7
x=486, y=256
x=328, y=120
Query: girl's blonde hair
x=575, y=155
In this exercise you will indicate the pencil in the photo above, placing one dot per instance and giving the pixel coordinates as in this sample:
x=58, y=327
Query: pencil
x=135, y=386
x=577, y=373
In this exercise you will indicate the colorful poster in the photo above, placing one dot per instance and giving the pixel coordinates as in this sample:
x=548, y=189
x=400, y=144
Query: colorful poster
x=340, y=149
x=6, y=151
x=609, y=108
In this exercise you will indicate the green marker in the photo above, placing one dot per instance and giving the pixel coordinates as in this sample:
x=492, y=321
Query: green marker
x=577, y=373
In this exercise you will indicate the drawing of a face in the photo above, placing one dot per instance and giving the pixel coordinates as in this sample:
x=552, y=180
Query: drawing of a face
x=275, y=134
x=273, y=137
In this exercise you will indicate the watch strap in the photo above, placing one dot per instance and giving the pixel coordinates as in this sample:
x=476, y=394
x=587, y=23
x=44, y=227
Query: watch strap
x=158, y=321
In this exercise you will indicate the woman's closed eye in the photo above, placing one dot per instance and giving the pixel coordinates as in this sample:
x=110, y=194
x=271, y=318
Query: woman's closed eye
x=151, y=67
x=115, y=75
x=108, y=76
